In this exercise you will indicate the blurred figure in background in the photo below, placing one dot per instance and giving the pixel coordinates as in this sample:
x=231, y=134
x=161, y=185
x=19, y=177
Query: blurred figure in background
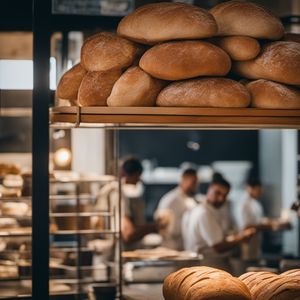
x=173, y=205
x=206, y=228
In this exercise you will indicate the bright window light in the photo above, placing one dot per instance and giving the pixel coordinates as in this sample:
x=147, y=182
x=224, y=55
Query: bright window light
x=18, y=74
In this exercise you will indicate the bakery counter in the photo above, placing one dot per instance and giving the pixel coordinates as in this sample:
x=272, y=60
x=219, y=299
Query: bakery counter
x=143, y=292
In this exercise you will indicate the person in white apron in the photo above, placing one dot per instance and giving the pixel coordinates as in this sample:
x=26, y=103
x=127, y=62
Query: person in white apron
x=206, y=227
x=173, y=205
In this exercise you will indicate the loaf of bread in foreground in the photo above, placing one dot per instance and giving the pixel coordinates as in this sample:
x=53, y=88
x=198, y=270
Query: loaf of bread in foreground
x=246, y=19
x=69, y=83
x=183, y=60
x=106, y=51
x=204, y=283
x=278, y=61
x=205, y=92
x=239, y=47
x=96, y=87
x=273, y=95
x=158, y=22
x=269, y=286
x=135, y=88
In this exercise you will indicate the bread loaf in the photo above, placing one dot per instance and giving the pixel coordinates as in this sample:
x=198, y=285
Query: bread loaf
x=278, y=61
x=204, y=283
x=159, y=22
x=239, y=47
x=96, y=87
x=135, y=88
x=206, y=92
x=105, y=51
x=246, y=19
x=183, y=60
x=69, y=83
x=273, y=95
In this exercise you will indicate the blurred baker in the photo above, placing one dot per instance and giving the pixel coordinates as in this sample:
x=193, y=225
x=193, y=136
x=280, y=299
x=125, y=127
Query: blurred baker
x=173, y=205
x=206, y=229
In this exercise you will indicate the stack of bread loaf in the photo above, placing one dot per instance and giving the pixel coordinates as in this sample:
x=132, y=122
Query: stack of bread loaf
x=199, y=283
x=203, y=283
x=176, y=54
x=269, y=286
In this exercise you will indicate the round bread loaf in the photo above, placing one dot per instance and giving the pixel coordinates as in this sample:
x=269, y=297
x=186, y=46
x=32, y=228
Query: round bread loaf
x=293, y=273
x=204, y=283
x=159, y=22
x=183, y=60
x=273, y=95
x=292, y=37
x=239, y=47
x=135, y=88
x=205, y=92
x=278, y=61
x=248, y=19
x=69, y=83
x=96, y=87
x=105, y=51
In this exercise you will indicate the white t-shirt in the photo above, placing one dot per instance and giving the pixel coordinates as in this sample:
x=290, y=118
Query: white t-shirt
x=205, y=226
x=250, y=212
x=175, y=203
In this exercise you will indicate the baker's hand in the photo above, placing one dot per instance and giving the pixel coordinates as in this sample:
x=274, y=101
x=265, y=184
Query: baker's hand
x=248, y=233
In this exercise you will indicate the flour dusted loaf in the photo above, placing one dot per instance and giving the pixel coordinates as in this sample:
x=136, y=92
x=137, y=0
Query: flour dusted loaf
x=69, y=83
x=159, y=22
x=135, y=88
x=183, y=60
x=205, y=92
x=239, y=47
x=269, y=286
x=96, y=87
x=247, y=19
x=273, y=95
x=278, y=61
x=106, y=51
x=199, y=283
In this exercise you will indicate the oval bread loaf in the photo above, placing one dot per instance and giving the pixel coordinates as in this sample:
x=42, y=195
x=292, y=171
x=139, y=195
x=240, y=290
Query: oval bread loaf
x=204, y=283
x=183, y=60
x=278, y=61
x=105, y=51
x=160, y=22
x=135, y=88
x=96, y=87
x=205, y=92
x=69, y=83
x=246, y=19
x=239, y=47
x=273, y=95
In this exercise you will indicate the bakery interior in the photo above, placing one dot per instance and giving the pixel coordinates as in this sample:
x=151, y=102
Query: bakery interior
x=63, y=174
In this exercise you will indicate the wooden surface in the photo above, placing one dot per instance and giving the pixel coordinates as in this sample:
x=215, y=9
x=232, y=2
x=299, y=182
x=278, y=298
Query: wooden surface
x=178, y=116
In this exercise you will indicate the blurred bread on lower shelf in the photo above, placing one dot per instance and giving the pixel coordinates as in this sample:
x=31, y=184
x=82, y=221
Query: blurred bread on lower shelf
x=205, y=92
x=135, y=88
x=273, y=95
x=96, y=87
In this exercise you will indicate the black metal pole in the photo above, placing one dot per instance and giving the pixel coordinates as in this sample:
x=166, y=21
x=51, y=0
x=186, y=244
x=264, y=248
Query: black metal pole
x=40, y=149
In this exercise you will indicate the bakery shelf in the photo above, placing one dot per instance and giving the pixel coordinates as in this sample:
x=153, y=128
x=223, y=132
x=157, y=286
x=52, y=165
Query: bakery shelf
x=82, y=214
x=89, y=231
x=176, y=117
x=16, y=232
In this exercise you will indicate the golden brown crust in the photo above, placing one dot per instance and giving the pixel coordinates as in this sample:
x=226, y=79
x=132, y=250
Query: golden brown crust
x=278, y=61
x=273, y=95
x=159, y=22
x=135, y=88
x=183, y=60
x=106, y=51
x=96, y=87
x=69, y=84
x=205, y=92
x=247, y=19
x=239, y=47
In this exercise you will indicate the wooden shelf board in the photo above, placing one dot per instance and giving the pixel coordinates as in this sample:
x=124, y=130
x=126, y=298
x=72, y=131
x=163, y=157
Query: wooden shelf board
x=177, y=116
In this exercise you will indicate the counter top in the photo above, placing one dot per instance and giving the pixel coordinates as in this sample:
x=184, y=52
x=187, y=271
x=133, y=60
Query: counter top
x=143, y=292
